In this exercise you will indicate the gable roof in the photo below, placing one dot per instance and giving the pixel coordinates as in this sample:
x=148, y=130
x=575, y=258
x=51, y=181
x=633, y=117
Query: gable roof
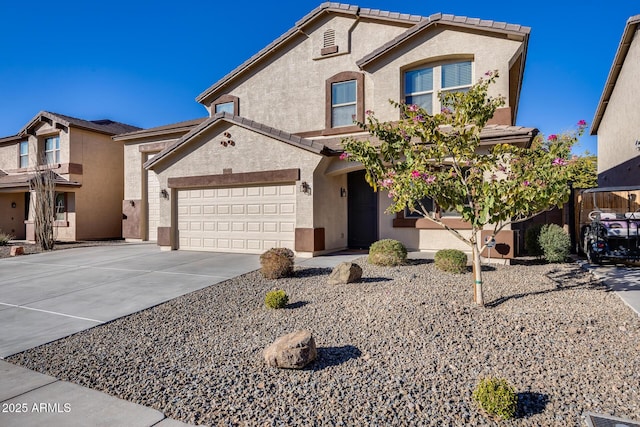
x=296, y=141
x=324, y=8
x=616, y=67
x=414, y=23
x=105, y=126
x=180, y=127
x=450, y=20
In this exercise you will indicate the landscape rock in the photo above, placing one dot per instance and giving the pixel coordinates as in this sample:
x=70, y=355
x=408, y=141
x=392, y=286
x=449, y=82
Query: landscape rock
x=345, y=272
x=16, y=250
x=292, y=351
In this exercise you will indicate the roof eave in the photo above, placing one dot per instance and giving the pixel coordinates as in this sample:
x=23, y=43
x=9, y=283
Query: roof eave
x=614, y=72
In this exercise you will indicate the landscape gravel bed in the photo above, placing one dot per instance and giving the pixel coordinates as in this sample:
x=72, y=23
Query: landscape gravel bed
x=406, y=346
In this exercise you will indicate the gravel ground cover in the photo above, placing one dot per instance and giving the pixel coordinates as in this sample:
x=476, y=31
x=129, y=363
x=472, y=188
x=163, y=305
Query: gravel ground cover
x=406, y=346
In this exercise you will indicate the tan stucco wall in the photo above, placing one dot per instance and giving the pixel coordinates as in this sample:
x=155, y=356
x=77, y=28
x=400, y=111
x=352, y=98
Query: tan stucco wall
x=296, y=77
x=9, y=156
x=12, y=219
x=252, y=152
x=330, y=209
x=620, y=127
x=98, y=202
x=294, y=82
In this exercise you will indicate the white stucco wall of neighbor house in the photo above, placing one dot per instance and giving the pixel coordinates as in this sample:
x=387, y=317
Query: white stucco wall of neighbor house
x=252, y=152
x=620, y=128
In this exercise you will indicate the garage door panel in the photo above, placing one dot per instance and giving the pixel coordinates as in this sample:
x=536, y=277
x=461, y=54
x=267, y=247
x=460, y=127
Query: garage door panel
x=241, y=219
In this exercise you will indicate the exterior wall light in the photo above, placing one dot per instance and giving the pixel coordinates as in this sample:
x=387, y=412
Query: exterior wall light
x=343, y=192
x=13, y=205
x=164, y=194
x=638, y=144
x=305, y=187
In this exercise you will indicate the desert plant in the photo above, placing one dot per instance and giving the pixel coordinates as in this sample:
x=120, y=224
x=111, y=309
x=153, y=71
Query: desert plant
x=277, y=263
x=496, y=397
x=4, y=238
x=276, y=299
x=531, y=243
x=555, y=243
x=387, y=252
x=451, y=261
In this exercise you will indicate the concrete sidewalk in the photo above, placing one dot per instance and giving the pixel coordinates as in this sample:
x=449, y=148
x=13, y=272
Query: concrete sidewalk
x=48, y=296
x=623, y=280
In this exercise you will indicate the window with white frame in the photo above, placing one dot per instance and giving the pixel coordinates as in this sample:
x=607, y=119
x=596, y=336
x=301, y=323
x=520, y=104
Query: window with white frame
x=61, y=207
x=226, y=107
x=24, y=154
x=343, y=103
x=52, y=150
x=422, y=85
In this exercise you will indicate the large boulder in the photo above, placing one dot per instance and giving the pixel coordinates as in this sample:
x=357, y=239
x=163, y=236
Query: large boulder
x=345, y=272
x=292, y=351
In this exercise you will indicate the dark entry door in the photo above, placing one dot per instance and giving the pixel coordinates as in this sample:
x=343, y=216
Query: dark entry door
x=362, y=212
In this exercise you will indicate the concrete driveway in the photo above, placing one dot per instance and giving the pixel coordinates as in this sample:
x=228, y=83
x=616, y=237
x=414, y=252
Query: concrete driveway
x=48, y=296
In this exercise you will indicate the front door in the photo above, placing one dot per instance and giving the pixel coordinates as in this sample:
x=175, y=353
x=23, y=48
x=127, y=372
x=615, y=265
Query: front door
x=362, y=211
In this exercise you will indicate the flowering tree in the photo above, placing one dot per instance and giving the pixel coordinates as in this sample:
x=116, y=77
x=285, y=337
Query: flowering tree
x=439, y=156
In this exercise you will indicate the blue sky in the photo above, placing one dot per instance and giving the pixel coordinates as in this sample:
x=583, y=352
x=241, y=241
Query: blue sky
x=143, y=63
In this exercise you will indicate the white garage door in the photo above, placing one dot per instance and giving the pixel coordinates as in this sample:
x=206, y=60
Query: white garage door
x=239, y=219
x=153, y=204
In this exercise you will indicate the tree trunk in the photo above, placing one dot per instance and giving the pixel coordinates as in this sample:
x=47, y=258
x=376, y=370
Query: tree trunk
x=477, y=275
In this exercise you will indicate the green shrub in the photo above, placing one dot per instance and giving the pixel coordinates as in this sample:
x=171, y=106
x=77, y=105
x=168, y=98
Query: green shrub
x=276, y=299
x=451, y=261
x=387, y=252
x=555, y=243
x=4, y=238
x=277, y=263
x=531, y=243
x=496, y=397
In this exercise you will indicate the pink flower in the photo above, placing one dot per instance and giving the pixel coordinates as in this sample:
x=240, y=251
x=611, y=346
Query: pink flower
x=558, y=161
x=344, y=155
x=368, y=112
x=582, y=123
x=415, y=174
x=553, y=137
x=386, y=183
x=413, y=107
x=445, y=110
x=526, y=183
x=418, y=118
x=430, y=179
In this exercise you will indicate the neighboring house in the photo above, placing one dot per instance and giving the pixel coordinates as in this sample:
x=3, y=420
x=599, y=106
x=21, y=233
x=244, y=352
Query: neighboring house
x=263, y=169
x=88, y=171
x=616, y=120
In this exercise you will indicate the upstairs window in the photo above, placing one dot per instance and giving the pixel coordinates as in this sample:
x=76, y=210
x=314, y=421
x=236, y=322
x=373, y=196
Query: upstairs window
x=24, y=154
x=418, y=86
x=456, y=77
x=422, y=85
x=343, y=103
x=227, y=107
x=226, y=104
x=52, y=150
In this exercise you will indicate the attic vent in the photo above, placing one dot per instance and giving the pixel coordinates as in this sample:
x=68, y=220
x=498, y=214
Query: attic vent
x=329, y=38
x=102, y=122
x=329, y=42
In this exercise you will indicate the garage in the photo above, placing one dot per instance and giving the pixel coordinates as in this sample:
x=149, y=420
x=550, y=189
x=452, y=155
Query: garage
x=248, y=219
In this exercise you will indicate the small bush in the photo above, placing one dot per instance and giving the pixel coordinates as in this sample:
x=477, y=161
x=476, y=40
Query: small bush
x=451, y=261
x=4, y=238
x=277, y=263
x=555, y=243
x=276, y=299
x=496, y=397
x=387, y=252
x=531, y=243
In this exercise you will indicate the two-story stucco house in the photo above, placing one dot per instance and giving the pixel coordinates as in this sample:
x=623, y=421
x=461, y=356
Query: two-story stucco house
x=263, y=169
x=616, y=120
x=89, y=176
